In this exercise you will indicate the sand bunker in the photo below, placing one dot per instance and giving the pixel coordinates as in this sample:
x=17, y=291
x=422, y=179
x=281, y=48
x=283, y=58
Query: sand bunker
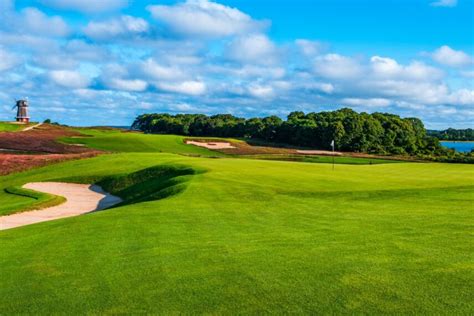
x=81, y=199
x=319, y=152
x=211, y=145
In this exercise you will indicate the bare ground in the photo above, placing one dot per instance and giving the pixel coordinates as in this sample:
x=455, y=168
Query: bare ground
x=38, y=147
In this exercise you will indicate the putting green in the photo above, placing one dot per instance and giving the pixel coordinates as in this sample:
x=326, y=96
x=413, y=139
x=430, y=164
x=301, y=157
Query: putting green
x=247, y=236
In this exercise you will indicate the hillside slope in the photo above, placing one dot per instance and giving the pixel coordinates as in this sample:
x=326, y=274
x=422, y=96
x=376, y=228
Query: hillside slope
x=250, y=236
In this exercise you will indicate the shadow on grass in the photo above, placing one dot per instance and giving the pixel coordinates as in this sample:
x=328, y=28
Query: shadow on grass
x=149, y=184
x=154, y=183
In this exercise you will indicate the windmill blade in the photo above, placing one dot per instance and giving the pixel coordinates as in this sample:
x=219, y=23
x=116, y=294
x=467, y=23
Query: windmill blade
x=14, y=107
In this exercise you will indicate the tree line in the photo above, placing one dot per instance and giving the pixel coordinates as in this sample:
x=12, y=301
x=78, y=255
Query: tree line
x=453, y=134
x=378, y=133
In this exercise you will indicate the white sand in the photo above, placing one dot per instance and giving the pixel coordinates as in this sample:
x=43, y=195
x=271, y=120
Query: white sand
x=81, y=199
x=211, y=145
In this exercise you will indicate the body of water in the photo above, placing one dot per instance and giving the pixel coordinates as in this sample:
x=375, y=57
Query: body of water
x=464, y=147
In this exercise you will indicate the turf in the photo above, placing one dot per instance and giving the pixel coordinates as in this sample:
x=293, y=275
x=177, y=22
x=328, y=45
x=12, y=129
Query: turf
x=250, y=237
x=344, y=160
x=11, y=127
x=242, y=236
x=117, y=141
x=40, y=200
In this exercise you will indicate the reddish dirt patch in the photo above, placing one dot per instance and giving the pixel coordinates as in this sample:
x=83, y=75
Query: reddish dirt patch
x=10, y=163
x=42, y=139
x=243, y=148
x=38, y=147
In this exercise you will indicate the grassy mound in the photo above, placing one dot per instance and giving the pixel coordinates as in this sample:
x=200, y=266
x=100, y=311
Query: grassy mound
x=245, y=236
x=41, y=200
x=119, y=141
x=154, y=183
x=148, y=184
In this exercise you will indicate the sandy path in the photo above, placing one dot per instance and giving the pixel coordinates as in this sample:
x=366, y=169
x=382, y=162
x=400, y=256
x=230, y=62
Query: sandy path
x=81, y=199
x=31, y=127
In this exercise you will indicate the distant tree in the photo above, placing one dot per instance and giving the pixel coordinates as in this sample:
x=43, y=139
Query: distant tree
x=453, y=134
x=381, y=133
x=254, y=128
x=271, y=125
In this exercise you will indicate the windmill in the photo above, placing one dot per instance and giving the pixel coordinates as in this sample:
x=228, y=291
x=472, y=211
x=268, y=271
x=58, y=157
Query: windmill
x=22, y=111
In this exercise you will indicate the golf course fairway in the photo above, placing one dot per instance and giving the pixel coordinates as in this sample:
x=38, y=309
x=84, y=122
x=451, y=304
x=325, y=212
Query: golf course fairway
x=241, y=236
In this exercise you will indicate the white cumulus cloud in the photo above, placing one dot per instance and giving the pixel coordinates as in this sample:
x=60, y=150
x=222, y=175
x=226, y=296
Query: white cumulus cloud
x=119, y=27
x=127, y=84
x=261, y=91
x=337, y=67
x=445, y=55
x=256, y=48
x=462, y=97
x=34, y=21
x=161, y=72
x=204, y=18
x=117, y=77
x=371, y=102
x=69, y=79
x=320, y=86
x=384, y=67
x=185, y=87
x=309, y=48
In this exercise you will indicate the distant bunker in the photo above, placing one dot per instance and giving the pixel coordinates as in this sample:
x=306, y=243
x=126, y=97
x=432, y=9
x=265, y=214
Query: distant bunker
x=244, y=148
x=211, y=145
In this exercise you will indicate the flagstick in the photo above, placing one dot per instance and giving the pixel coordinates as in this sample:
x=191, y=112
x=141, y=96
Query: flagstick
x=333, y=160
x=333, y=155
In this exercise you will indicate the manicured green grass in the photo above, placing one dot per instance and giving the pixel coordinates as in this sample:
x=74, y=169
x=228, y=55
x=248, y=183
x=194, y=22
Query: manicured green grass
x=11, y=127
x=247, y=237
x=344, y=160
x=117, y=141
x=40, y=200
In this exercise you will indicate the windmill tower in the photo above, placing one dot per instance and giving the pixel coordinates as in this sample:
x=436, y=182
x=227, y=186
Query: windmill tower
x=22, y=111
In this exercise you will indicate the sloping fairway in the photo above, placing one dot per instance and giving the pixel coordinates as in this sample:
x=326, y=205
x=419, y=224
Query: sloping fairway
x=117, y=141
x=247, y=236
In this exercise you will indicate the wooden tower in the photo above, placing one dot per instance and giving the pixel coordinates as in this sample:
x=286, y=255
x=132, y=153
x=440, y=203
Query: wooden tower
x=22, y=111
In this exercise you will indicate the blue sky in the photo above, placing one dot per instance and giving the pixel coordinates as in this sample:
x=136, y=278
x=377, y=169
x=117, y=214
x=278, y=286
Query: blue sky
x=85, y=62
